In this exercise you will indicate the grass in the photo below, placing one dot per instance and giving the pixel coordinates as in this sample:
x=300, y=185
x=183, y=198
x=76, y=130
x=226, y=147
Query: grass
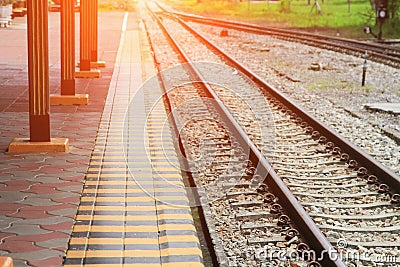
x=334, y=18
x=116, y=5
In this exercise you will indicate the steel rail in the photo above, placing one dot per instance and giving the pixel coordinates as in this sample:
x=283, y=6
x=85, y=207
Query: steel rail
x=264, y=29
x=364, y=159
x=349, y=45
x=386, y=54
x=309, y=230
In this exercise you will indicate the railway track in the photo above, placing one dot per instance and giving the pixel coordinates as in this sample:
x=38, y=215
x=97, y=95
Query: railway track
x=226, y=129
x=386, y=54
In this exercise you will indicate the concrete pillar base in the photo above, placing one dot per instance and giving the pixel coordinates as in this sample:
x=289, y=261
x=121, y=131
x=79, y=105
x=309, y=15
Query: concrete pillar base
x=96, y=64
x=23, y=145
x=6, y=262
x=69, y=100
x=88, y=74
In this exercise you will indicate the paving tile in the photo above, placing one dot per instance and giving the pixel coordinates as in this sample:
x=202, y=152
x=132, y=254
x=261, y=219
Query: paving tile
x=77, y=178
x=30, y=214
x=17, y=185
x=73, y=198
x=13, y=197
x=9, y=208
x=45, y=221
x=58, y=175
x=56, y=161
x=6, y=222
x=36, y=200
x=79, y=167
x=4, y=176
x=42, y=237
x=3, y=253
x=53, y=170
x=21, y=263
x=70, y=213
x=59, y=227
x=74, y=188
x=36, y=255
x=62, y=207
x=16, y=246
x=50, y=170
x=4, y=236
x=54, y=206
x=54, y=243
x=26, y=175
x=25, y=229
x=54, y=262
x=29, y=165
x=41, y=189
x=46, y=179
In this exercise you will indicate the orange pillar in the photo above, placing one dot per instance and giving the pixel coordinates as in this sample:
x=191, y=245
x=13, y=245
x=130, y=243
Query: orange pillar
x=94, y=30
x=86, y=42
x=39, y=96
x=94, y=35
x=67, y=32
x=38, y=65
x=68, y=47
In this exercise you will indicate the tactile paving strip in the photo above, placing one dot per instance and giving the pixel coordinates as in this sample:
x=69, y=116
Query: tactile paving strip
x=134, y=210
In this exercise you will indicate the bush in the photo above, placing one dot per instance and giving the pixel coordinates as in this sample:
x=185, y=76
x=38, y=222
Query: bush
x=7, y=2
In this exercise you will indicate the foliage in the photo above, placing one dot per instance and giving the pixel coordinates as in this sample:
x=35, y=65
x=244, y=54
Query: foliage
x=7, y=2
x=116, y=5
x=394, y=9
x=334, y=18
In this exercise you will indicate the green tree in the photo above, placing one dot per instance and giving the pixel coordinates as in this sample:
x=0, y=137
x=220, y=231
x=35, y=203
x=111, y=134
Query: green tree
x=393, y=9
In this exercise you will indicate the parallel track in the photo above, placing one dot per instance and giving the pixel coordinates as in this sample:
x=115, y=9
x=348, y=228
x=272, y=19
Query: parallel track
x=382, y=53
x=309, y=126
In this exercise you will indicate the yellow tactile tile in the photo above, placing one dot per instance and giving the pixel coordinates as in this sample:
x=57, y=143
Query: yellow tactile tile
x=125, y=265
x=180, y=251
x=118, y=156
x=123, y=169
x=132, y=208
x=141, y=253
x=133, y=182
x=128, y=173
x=172, y=207
x=116, y=218
x=114, y=241
x=117, y=199
x=174, y=216
x=149, y=199
x=176, y=227
x=181, y=264
x=117, y=208
x=178, y=238
x=130, y=190
x=116, y=228
x=124, y=163
x=95, y=253
x=149, y=175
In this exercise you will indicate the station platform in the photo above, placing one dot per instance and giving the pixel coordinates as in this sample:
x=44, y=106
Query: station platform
x=117, y=197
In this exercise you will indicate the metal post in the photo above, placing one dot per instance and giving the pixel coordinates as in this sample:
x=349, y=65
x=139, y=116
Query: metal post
x=94, y=30
x=85, y=42
x=68, y=47
x=38, y=71
x=380, y=29
x=364, y=69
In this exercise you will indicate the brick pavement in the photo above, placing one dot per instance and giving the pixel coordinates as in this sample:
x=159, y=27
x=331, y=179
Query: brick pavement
x=39, y=193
